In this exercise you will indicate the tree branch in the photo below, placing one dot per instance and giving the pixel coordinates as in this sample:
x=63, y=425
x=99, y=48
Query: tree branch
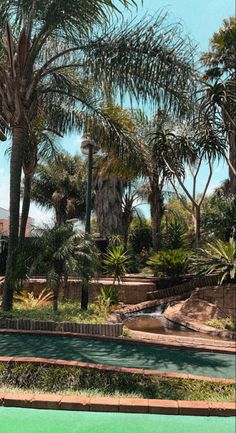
x=208, y=181
x=181, y=183
x=181, y=199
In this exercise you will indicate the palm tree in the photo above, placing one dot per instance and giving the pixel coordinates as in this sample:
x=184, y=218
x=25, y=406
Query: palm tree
x=60, y=184
x=114, y=167
x=61, y=252
x=219, y=88
x=50, y=49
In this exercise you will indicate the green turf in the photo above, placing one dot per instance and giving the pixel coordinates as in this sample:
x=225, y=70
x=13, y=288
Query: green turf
x=16, y=420
x=120, y=354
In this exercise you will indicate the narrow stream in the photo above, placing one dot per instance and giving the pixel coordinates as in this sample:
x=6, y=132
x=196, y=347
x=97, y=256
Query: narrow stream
x=153, y=320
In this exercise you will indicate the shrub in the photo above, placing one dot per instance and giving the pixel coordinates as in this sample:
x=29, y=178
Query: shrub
x=29, y=300
x=228, y=324
x=110, y=293
x=217, y=257
x=169, y=262
x=140, y=236
x=115, y=263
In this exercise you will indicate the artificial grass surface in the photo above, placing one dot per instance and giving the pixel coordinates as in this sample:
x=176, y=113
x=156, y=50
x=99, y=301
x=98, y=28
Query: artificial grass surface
x=17, y=420
x=120, y=354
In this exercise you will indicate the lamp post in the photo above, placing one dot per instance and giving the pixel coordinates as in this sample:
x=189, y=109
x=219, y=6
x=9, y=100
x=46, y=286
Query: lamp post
x=3, y=125
x=88, y=148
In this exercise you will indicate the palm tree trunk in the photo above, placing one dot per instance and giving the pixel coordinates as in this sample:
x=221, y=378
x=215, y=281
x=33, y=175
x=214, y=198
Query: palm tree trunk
x=84, y=294
x=232, y=160
x=108, y=205
x=19, y=137
x=25, y=206
x=157, y=209
x=55, y=298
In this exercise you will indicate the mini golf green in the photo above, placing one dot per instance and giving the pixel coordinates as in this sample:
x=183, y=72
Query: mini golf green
x=17, y=420
x=123, y=354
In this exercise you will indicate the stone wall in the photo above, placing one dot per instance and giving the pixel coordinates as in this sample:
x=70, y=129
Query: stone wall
x=183, y=287
x=224, y=297
x=130, y=292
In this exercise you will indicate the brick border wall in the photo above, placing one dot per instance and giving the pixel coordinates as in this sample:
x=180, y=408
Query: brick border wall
x=107, y=329
x=113, y=404
x=183, y=288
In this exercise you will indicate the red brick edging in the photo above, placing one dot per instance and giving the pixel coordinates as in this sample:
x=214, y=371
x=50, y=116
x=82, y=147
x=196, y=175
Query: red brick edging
x=113, y=404
x=104, y=367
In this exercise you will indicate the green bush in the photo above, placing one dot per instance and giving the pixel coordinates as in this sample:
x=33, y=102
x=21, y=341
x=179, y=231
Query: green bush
x=217, y=258
x=169, y=262
x=140, y=236
x=110, y=293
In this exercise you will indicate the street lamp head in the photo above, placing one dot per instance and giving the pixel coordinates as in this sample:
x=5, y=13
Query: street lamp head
x=2, y=136
x=86, y=143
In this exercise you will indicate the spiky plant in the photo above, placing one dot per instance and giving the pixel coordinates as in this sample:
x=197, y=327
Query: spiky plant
x=29, y=300
x=115, y=263
x=218, y=257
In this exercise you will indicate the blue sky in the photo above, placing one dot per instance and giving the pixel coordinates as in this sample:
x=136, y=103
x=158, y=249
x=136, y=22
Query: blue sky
x=200, y=19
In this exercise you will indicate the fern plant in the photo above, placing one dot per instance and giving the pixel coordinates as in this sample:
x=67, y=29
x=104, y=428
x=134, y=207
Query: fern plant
x=217, y=257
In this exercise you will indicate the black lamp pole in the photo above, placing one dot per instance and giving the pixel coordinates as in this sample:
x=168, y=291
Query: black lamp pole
x=89, y=189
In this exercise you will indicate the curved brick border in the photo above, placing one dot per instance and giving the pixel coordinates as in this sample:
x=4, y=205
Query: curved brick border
x=112, y=404
x=109, y=329
x=133, y=340
x=104, y=367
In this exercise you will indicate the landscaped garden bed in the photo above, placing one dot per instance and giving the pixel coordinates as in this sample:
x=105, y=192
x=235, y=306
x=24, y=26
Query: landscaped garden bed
x=75, y=380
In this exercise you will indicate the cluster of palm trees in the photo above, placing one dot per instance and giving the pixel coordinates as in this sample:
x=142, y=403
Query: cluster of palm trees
x=67, y=66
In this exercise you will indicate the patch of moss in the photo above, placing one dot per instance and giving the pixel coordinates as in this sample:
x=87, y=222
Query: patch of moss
x=226, y=324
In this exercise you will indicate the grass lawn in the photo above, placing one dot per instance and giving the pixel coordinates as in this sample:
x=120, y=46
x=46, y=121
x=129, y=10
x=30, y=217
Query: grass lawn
x=67, y=312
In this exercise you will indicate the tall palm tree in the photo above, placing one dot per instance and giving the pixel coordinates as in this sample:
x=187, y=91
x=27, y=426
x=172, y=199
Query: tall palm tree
x=219, y=88
x=47, y=51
